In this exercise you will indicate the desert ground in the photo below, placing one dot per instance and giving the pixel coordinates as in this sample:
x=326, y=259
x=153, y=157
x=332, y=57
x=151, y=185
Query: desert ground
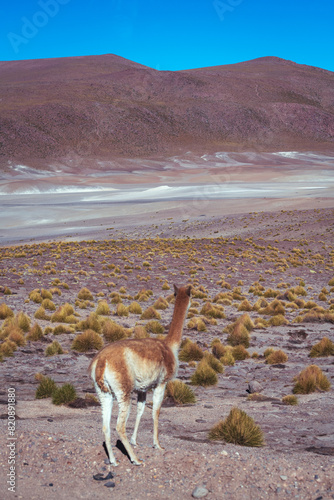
x=239, y=232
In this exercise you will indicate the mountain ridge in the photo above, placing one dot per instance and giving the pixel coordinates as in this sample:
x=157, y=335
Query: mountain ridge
x=107, y=106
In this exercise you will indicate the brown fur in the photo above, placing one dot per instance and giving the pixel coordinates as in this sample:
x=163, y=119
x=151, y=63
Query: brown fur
x=139, y=364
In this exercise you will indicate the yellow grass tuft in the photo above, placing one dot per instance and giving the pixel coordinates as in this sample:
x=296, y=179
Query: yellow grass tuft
x=113, y=331
x=190, y=351
x=180, y=392
x=238, y=428
x=277, y=357
x=204, y=375
x=87, y=340
x=5, y=311
x=323, y=348
x=150, y=313
x=35, y=333
x=311, y=379
x=85, y=294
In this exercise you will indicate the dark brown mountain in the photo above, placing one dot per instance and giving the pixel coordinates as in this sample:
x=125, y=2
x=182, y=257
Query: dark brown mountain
x=105, y=107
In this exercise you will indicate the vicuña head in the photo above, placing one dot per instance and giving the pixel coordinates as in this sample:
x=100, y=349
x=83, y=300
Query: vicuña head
x=138, y=365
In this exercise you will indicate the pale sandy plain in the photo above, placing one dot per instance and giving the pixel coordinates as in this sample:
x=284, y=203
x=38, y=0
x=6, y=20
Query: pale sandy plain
x=137, y=195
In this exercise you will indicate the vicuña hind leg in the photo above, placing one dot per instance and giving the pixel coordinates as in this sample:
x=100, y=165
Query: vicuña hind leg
x=124, y=410
x=106, y=402
x=158, y=395
x=140, y=410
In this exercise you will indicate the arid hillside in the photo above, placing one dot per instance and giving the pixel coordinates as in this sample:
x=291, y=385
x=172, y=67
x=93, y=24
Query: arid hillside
x=102, y=107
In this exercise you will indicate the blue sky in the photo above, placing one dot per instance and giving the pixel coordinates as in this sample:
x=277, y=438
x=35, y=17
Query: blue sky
x=170, y=35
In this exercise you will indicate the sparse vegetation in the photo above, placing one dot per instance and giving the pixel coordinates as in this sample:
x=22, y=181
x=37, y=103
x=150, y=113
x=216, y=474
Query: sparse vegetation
x=113, y=331
x=276, y=357
x=238, y=428
x=190, y=351
x=204, y=375
x=323, y=348
x=64, y=394
x=290, y=400
x=180, y=392
x=311, y=379
x=54, y=348
x=87, y=340
x=46, y=388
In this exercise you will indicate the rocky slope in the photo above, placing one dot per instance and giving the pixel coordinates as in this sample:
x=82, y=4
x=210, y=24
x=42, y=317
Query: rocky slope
x=106, y=106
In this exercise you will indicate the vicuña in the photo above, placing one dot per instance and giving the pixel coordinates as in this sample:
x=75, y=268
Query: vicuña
x=138, y=365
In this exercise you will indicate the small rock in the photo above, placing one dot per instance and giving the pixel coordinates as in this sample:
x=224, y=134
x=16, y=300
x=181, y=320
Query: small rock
x=224, y=453
x=254, y=386
x=284, y=478
x=199, y=492
x=110, y=484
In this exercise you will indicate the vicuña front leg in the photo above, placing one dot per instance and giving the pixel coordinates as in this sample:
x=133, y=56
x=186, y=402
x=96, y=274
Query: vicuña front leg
x=124, y=409
x=158, y=396
x=140, y=410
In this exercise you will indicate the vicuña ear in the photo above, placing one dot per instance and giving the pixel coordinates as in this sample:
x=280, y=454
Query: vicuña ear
x=188, y=290
x=175, y=290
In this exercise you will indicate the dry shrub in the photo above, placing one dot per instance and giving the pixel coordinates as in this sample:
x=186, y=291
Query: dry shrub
x=7, y=348
x=122, y=310
x=35, y=296
x=197, y=324
x=90, y=323
x=23, y=321
x=150, y=313
x=85, y=294
x=212, y=311
x=59, y=329
x=5, y=311
x=318, y=315
x=35, y=333
x=48, y=304
x=260, y=304
x=46, y=388
x=154, y=326
x=62, y=314
x=161, y=303
x=180, y=392
x=115, y=298
x=239, y=335
x=213, y=362
x=277, y=357
x=245, y=306
x=204, y=375
x=218, y=350
x=64, y=394
x=278, y=320
x=16, y=335
x=87, y=340
x=113, y=331
x=41, y=314
x=240, y=353
x=143, y=295
x=54, y=348
x=274, y=308
x=135, y=308
x=323, y=348
x=290, y=400
x=103, y=308
x=228, y=358
x=238, y=428
x=310, y=380
x=190, y=351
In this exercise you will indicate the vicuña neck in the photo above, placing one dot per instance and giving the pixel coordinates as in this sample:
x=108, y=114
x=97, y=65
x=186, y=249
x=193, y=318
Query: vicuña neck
x=176, y=326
